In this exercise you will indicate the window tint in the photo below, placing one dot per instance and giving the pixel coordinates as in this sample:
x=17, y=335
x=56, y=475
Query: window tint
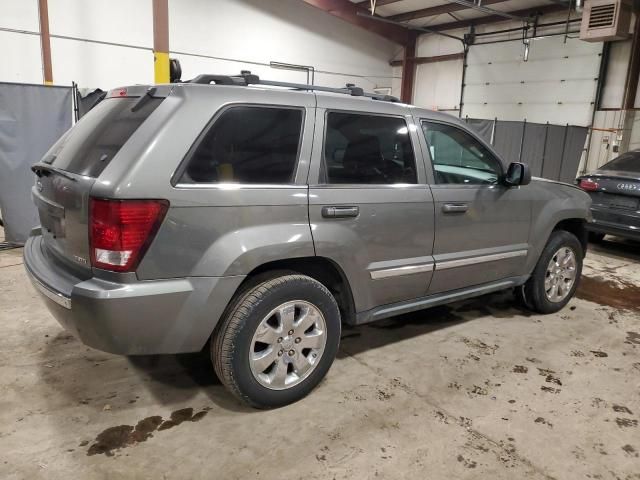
x=457, y=157
x=88, y=147
x=627, y=162
x=248, y=145
x=367, y=149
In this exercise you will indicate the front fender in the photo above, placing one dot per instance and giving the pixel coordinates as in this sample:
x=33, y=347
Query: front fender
x=553, y=203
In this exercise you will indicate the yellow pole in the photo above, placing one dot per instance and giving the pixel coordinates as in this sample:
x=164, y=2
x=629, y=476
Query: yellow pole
x=161, y=41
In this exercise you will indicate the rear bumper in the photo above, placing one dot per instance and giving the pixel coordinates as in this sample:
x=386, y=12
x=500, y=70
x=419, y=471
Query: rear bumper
x=615, y=222
x=142, y=317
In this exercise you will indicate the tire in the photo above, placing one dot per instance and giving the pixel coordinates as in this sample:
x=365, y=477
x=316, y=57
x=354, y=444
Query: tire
x=595, y=237
x=533, y=293
x=237, y=355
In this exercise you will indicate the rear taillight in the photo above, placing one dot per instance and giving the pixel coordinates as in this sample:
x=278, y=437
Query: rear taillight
x=588, y=185
x=120, y=231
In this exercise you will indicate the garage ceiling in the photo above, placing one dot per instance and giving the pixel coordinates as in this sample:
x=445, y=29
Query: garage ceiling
x=430, y=13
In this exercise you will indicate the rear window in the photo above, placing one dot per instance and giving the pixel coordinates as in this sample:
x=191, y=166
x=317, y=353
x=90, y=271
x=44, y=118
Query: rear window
x=88, y=147
x=248, y=144
x=627, y=162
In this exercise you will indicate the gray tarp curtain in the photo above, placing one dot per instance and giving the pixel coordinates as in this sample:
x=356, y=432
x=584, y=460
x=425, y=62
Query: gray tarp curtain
x=32, y=118
x=482, y=127
x=551, y=151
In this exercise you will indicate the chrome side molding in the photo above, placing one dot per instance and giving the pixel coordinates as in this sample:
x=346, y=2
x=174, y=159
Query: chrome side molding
x=398, y=271
x=480, y=259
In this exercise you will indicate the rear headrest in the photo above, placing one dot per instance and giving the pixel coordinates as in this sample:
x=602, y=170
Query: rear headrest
x=363, y=153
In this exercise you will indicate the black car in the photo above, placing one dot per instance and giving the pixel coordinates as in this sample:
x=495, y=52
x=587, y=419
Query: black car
x=615, y=191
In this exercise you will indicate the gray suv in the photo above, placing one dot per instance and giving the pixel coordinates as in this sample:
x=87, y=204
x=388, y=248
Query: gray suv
x=254, y=218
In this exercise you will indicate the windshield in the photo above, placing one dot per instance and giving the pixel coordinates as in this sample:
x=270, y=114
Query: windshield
x=627, y=162
x=92, y=143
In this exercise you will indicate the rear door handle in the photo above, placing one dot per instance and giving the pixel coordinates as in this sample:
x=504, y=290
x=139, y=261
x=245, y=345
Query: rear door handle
x=339, y=211
x=455, y=207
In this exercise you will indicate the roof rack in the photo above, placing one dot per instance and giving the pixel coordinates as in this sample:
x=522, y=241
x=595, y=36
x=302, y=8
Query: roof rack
x=246, y=78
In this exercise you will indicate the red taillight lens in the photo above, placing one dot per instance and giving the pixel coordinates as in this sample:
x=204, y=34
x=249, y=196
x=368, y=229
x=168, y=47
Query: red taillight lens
x=588, y=185
x=121, y=230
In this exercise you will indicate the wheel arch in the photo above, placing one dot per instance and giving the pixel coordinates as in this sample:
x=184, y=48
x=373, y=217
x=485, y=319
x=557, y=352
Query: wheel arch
x=322, y=269
x=576, y=226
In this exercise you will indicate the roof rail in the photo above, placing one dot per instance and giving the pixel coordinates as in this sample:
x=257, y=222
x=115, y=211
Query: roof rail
x=246, y=78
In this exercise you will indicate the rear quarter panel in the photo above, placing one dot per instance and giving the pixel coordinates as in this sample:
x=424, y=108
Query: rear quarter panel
x=211, y=229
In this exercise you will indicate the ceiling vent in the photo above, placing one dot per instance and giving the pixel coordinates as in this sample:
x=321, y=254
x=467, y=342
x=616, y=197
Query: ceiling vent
x=605, y=20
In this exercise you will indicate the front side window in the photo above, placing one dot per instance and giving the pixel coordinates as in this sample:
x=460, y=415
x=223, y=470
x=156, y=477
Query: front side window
x=459, y=158
x=367, y=149
x=248, y=144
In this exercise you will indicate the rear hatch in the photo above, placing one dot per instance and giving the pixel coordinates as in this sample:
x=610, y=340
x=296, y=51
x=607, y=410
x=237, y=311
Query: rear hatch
x=610, y=189
x=69, y=169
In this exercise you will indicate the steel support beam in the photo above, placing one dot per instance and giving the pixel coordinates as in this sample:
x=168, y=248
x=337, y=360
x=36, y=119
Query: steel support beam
x=408, y=70
x=45, y=42
x=633, y=71
x=412, y=28
x=437, y=10
x=434, y=59
x=161, y=41
x=348, y=12
x=525, y=12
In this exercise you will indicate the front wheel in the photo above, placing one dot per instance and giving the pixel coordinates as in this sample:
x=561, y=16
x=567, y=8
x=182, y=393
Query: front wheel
x=277, y=341
x=555, y=278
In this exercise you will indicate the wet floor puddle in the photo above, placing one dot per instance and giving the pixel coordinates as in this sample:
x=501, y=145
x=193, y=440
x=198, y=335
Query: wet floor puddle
x=121, y=436
x=607, y=292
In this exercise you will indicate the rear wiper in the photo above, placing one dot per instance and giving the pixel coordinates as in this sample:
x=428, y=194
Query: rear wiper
x=144, y=99
x=44, y=170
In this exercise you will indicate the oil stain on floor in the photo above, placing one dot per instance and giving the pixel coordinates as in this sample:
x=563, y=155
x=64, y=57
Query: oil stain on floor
x=607, y=292
x=121, y=436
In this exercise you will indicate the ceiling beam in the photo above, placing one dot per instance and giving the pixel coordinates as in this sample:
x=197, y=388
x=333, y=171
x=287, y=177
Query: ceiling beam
x=434, y=59
x=525, y=12
x=348, y=12
x=379, y=3
x=437, y=10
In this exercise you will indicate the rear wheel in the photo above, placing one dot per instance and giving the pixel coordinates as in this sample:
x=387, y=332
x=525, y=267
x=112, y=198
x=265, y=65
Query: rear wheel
x=277, y=341
x=555, y=278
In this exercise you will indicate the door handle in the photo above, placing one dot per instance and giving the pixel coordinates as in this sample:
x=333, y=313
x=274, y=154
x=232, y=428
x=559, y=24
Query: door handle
x=455, y=207
x=340, y=211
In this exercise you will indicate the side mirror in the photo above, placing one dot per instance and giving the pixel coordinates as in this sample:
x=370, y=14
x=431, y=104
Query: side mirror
x=517, y=174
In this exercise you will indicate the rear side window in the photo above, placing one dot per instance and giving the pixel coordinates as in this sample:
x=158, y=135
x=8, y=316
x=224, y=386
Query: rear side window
x=248, y=144
x=627, y=162
x=367, y=149
x=88, y=147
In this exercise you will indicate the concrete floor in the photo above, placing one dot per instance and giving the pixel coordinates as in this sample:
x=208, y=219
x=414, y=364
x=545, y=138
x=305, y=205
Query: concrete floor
x=476, y=390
